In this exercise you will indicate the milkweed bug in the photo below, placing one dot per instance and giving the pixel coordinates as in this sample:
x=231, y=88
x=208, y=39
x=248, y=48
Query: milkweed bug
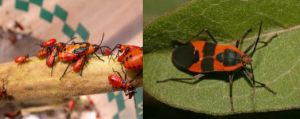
x=75, y=51
x=21, y=59
x=47, y=43
x=118, y=82
x=204, y=57
x=79, y=64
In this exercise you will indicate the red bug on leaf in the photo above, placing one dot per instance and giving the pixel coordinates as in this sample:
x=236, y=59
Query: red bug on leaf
x=202, y=57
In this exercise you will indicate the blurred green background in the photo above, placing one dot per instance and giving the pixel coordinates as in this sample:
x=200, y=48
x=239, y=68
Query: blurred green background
x=154, y=109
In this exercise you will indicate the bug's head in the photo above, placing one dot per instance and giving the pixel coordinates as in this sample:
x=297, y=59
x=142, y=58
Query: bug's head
x=127, y=49
x=96, y=47
x=118, y=46
x=246, y=60
x=131, y=91
x=61, y=45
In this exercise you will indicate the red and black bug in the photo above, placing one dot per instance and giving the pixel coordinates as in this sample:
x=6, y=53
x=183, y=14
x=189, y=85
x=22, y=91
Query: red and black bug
x=79, y=64
x=75, y=51
x=118, y=81
x=21, y=59
x=50, y=42
x=204, y=57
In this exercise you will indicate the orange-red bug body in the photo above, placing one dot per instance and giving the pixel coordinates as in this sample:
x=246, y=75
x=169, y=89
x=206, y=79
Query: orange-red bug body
x=107, y=51
x=71, y=104
x=119, y=82
x=116, y=81
x=48, y=43
x=74, y=52
x=13, y=115
x=42, y=53
x=51, y=58
x=133, y=59
x=217, y=64
x=21, y=59
x=79, y=64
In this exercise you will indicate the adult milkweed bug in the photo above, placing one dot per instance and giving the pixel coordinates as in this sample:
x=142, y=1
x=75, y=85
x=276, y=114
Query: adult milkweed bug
x=204, y=57
x=21, y=59
x=118, y=82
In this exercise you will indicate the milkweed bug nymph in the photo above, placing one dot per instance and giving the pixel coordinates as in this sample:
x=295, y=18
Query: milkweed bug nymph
x=203, y=57
x=117, y=81
x=21, y=59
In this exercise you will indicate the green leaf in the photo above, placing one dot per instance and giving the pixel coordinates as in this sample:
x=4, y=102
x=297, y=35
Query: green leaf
x=277, y=64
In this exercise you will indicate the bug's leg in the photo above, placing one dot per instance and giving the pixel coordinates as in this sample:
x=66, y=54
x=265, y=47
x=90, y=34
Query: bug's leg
x=250, y=77
x=136, y=76
x=117, y=73
x=242, y=38
x=231, y=83
x=198, y=76
x=83, y=65
x=211, y=36
x=52, y=66
x=48, y=51
x=98, y=57
x=73, y=42
x=66, y=70
x=267, y=41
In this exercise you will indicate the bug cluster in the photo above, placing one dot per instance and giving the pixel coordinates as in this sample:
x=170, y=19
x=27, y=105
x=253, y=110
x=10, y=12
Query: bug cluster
x=129, y=56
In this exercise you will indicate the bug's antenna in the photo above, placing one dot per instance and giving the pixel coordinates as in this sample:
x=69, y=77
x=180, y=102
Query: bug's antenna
x=260, y=27
x=102, y=39
x=255, y=43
